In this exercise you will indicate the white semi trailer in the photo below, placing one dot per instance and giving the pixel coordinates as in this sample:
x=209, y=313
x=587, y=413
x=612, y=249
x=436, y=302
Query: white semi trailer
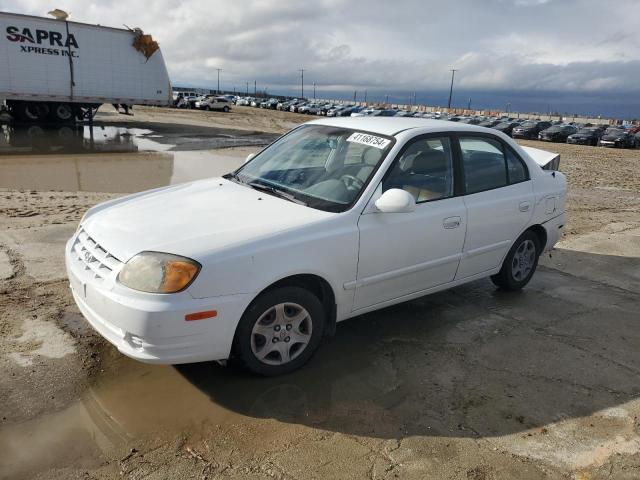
x=57, y=70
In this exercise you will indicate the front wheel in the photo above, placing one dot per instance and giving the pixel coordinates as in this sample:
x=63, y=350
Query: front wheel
x=225, y=109
x=520, y=263
x=280, y=331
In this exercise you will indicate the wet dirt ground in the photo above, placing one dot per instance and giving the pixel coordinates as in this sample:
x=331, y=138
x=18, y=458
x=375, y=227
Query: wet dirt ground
x=472, y=383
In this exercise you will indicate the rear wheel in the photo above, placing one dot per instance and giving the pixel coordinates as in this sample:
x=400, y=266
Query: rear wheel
x=225, y=109
x=280, y=331
x=62, y=112
x=520, y=263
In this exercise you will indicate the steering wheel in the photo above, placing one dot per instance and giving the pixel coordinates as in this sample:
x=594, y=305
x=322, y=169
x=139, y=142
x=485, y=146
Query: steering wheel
x=351, y=181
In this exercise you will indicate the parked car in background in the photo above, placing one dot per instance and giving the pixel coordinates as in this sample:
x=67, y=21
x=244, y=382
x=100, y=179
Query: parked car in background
x=557, y=133
x=617, y=138
x=367, y=112
x=315, y=109
x=305, y=108
x=335, y=219
x=187, y=101
x=529, y=129
x=490, y=122
x=506, y=127
x=585, y=136
x=214, y=103
x=295, y=106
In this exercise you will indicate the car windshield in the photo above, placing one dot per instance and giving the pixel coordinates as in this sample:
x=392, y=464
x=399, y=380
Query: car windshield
x=555, y=128
x=529, y=124
x=320, y=166
x=586, y=131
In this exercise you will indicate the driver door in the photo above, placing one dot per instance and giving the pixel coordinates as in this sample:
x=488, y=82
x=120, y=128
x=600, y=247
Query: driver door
x=405, y=253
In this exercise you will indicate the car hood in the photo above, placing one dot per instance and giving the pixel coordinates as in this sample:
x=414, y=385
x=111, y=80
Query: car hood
x=193, y=219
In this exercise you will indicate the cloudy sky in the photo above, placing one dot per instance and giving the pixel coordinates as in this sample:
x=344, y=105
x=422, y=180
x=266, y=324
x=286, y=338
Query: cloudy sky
x=589, y=46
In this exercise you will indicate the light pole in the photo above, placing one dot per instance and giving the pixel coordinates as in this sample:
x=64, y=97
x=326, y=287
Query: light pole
x=386, y=99
x=247, y=89
x=302, y=83
x=508, y=107
x=219, y=70
x=314, y=90
x=365, y=96
x=453, y=74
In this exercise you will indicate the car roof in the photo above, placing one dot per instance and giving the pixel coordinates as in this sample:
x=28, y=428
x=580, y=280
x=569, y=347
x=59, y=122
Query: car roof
x=394, y=125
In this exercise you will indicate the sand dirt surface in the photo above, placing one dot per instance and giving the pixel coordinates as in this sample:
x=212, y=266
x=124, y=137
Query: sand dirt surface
x=470, y=384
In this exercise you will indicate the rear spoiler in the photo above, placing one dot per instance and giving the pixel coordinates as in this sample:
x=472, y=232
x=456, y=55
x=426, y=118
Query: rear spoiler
x=546, y=160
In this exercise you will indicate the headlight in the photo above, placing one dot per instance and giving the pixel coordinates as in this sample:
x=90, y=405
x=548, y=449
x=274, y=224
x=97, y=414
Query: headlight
x=155, y=272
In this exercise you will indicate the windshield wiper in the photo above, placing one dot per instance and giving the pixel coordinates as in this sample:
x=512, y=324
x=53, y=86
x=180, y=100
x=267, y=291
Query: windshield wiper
x=234, y=177
x=275, y=192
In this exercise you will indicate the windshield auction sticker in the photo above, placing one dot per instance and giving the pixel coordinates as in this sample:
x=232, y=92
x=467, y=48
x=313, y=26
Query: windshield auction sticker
x=370, y=140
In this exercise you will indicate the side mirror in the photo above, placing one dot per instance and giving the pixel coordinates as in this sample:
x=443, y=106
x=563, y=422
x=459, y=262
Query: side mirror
x=249, y=157
x=396, y=200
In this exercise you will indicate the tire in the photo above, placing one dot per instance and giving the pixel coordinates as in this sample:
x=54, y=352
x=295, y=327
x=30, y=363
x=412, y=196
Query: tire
x=207, y=108
x=264, y=335
x=520, y=263
x=33, y=111
x=225, y=109
x=62, y=113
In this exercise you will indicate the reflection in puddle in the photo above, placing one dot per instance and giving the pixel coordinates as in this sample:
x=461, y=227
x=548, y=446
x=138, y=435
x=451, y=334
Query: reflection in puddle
x=121, y=173
x=36, y=139
x=114, y=159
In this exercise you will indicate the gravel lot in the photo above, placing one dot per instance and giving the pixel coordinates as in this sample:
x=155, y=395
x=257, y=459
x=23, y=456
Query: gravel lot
x=472, y=383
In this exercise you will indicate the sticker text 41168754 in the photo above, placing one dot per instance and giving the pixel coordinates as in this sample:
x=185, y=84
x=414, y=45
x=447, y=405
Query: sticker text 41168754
x=370, y=140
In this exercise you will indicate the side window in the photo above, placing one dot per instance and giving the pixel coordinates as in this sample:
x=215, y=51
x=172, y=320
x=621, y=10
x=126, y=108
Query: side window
x=484, y=164
x=425, y=170
x=516, y=168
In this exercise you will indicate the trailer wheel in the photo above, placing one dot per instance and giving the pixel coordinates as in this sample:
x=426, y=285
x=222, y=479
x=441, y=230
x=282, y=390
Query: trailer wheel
x=62, y=112
x=33, y=111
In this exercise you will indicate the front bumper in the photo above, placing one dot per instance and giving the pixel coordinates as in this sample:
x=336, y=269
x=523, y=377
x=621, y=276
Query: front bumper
x=152, y=328
x=523, y=134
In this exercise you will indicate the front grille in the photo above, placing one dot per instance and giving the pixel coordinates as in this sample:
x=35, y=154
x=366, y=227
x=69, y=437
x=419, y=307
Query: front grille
x=94, y=257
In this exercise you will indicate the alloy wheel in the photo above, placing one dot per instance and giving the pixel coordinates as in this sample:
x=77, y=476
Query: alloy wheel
x=523, y=260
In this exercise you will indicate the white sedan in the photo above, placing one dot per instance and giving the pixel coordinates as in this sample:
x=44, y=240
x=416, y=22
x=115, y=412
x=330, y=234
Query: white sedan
x=337, y=218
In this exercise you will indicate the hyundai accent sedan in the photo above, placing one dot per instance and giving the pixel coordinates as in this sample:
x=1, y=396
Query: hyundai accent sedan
x=336, y=218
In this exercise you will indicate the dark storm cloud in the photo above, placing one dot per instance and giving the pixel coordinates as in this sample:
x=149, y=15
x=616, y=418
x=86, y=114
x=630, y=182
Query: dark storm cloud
x=587, y=45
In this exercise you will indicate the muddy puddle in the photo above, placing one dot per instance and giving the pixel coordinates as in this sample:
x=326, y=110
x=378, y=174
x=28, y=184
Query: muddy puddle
x=116, y=159
x=134, y=402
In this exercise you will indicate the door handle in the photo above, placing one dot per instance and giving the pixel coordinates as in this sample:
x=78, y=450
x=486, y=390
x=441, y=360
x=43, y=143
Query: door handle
x=451, y=222
x=524, y=206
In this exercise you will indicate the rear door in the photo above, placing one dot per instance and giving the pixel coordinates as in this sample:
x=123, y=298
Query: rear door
x=499, y=200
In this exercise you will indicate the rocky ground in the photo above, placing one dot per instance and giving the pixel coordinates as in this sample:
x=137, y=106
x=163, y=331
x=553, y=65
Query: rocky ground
x=471, y=383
